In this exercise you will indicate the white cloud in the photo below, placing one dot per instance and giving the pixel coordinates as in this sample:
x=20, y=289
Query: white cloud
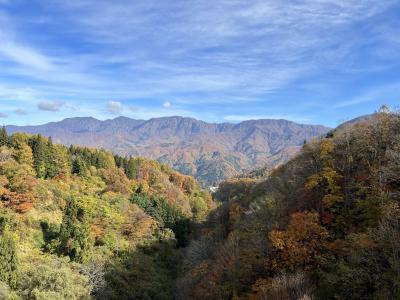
x=50, y=105
x=3, y=115
x=193, y=53
x=114, y=107
x=167, y=104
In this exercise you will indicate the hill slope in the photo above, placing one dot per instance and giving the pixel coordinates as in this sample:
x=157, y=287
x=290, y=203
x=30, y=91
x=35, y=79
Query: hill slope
x=80, y=223
x=325, y=225
x=209, y=152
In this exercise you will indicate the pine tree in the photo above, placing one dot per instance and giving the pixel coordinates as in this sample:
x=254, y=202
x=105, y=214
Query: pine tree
x=3, y=136
x=131, y=168
x=40, y=155
x=51, y=163
x=74, y=238
x=79, y=167
x=8, y=258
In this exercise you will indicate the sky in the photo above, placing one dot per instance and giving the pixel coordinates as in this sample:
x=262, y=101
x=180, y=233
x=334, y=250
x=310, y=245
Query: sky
x=314, y=62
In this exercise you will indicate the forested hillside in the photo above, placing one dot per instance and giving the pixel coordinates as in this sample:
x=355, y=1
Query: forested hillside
x=326, y=225
x=80, y=223
x=210, y=152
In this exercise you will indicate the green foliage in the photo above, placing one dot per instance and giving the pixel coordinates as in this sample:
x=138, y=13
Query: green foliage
x=49, y=278
x=147, y=273
x=23, y=154
x=20, y=176
x=70, y=226
x=167, y=214
x=79, y=167
x=74, y=239
x=6, y=221
x=8, y=257
x=3, y=136
x=6, y=293
x=131, y=168
x=40, y=155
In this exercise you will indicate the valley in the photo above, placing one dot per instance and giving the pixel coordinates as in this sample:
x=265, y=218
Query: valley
x=118, y=227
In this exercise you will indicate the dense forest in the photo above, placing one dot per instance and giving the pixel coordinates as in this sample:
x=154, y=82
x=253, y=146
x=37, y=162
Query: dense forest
x=80, y=223
x=326, y=225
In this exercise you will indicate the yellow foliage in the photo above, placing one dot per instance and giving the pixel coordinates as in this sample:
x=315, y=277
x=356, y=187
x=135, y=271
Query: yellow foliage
x=301, y=242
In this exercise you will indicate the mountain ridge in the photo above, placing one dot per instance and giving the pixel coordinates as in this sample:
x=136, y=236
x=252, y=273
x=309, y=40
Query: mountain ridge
x=209, y=151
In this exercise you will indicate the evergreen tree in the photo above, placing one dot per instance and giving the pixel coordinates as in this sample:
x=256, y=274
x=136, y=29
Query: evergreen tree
x=79, y=167
x=51, y=162
x=40, y=155
x=131, y=168
x=3, y=136
x=8, y=258
x=75, y=240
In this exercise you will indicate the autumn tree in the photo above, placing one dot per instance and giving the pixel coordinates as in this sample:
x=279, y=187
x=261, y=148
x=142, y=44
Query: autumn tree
x=300, y=243
x=116, y=180
x=23, y=154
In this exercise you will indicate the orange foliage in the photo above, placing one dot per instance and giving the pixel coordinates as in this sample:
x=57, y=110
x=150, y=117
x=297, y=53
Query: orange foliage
x=301, y=242
x=21, y=203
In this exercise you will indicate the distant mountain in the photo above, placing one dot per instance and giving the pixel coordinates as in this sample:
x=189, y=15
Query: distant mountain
x=358, y=120
x=210, y=152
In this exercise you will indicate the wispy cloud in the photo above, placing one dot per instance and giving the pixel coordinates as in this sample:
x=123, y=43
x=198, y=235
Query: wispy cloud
x=379, y=94
x=194, y=54
x=3, y=115
x=23, y=55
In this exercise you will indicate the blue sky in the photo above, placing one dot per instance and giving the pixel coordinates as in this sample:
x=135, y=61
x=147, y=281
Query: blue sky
x=318, y=61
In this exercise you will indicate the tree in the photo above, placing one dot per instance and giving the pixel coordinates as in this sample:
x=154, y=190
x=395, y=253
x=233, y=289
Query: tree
x=131, y=168
x=3, y=136
x=20, y=176
x=50, y=277
x=23, y=154
x=116, y=180
x=40, y=155
x=8, y=258
x=51, y=162
x=300, y=243
x=75, y=240
x=103, y=159
x=169, y=215
x=62, y=160
x=79, y=167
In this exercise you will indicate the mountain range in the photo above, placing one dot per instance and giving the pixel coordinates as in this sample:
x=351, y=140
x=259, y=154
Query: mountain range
x=210, y=152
